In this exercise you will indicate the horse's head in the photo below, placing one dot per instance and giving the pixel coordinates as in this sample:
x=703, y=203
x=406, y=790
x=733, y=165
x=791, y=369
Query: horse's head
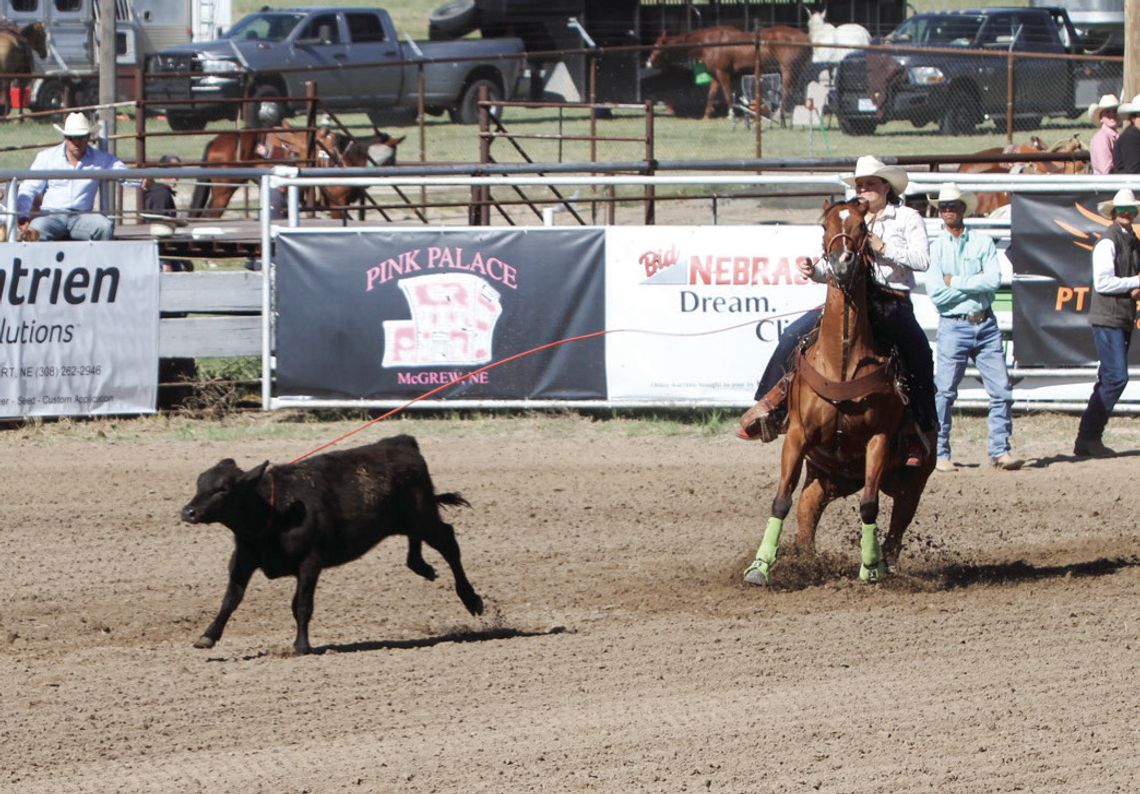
x=845, y=238
x=36, y=36
x=658, y=55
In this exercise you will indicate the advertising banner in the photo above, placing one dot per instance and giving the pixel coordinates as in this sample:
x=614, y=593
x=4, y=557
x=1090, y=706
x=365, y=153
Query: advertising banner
x=698, y=309
x=392, y=314
x=1053, y=238
x=78, y=328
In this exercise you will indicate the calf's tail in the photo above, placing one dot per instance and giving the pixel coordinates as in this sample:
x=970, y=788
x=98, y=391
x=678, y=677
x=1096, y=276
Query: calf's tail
x=451, y=499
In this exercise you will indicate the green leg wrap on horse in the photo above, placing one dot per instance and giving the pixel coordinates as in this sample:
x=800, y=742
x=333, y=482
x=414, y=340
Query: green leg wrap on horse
x=872, y=566
x=757, y=572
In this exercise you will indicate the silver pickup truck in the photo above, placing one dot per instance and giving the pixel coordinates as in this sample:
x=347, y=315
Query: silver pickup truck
x=268, y=57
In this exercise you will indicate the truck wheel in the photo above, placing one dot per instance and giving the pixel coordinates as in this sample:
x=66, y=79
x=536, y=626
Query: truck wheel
x=51, y=96
x=266, y=108
x=857, y=126
x=185, y=122
x=452, y=20
x=467, y=110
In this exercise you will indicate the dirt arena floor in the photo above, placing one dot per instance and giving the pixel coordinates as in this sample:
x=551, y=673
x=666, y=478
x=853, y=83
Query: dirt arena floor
x=620, y=651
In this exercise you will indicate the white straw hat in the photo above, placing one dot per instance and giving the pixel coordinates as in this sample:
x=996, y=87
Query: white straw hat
x=1123, y=198
x=868, y=165
x=1107, y=102
x=76, y=125
x=950, y=192
x=1131, y=106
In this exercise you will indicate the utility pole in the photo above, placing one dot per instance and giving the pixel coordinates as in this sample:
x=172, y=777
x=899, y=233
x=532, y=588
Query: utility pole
x=1131, y=50
x=107, y=70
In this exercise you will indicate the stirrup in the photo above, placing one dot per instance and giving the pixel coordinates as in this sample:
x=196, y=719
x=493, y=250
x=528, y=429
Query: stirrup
x=767, y=417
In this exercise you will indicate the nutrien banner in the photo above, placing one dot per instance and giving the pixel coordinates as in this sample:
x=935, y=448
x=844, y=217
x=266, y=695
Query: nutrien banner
x=1053, y=237
x=78, y=328
x=386, y=314
x=699, y=309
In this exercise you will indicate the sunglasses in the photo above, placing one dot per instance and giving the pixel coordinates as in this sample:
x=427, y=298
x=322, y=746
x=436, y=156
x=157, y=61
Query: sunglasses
x=1126, y=210
x=952, y=206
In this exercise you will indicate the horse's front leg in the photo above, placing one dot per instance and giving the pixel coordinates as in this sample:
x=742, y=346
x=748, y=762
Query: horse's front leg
x=813, y=498
x=791, y=464
x=710, y=100
x=871, y=567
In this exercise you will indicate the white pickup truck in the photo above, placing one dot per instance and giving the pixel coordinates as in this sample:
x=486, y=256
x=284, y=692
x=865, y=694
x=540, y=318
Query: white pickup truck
x=268, y=57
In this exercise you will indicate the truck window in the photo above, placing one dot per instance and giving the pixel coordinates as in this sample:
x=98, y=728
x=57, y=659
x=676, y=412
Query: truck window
x=364, y=28
x=322, y=28
x=1038, y=35
x=937, y=30
x=25, y=6
x=66, y=6
x=265, y=27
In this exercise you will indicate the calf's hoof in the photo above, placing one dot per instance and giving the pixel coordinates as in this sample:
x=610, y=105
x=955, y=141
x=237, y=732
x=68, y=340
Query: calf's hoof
x=204, y=642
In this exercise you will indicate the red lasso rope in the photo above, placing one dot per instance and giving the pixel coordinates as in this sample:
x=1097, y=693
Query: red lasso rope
x=524, y=354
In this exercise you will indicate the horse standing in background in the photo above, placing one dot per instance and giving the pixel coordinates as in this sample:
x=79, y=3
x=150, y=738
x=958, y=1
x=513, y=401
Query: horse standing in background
x=821, y=32
x=845, y=416
x=18, y=48
x=266, y=148
x=727, y=51
x=989, y=202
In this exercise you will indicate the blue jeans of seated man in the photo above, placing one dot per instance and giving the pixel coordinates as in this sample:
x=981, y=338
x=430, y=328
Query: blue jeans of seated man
x=958, y=342
x=1111, y=377
x=74, y=226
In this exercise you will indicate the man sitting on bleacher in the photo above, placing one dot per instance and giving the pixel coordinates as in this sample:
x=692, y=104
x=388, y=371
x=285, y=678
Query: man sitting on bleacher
x=66, y=211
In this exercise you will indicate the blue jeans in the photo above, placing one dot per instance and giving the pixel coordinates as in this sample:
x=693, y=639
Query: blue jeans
x=73, y=226
x=958, y=342
x=1111, y=377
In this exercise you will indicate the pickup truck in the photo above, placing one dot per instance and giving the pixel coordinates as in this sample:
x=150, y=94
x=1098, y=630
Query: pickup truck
x=958, y=92
x=269, y=55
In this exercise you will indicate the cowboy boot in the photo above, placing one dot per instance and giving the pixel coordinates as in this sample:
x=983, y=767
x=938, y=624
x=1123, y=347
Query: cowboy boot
x=766, y=418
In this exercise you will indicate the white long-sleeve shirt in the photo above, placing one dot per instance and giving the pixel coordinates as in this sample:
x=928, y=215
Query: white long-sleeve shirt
x=1105, y=280
x=906, y=248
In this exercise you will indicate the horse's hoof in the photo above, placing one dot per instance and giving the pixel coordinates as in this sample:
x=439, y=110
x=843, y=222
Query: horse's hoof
x=873, y=573
x=204, y=642
x=757, y=573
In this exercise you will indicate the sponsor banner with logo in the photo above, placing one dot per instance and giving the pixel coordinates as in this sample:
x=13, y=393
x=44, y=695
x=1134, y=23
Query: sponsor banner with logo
x=699, y=309
x=1052, y=278
x=78, y=328
x=382, y=314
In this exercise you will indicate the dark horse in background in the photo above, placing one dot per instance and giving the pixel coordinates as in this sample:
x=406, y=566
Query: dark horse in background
x=319, y=148
x=845, y=416
x=727, y=51
x=18, y=48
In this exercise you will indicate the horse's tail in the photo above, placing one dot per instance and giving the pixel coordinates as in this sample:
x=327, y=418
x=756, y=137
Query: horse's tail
x=201, y=194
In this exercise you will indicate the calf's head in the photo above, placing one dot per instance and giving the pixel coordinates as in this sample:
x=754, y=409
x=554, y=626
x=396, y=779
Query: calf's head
x=222, y=490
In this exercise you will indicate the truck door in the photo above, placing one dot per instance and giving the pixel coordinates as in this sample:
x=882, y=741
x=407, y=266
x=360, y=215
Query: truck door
x=370, y=43
x=320, y=46
x=1042, y=86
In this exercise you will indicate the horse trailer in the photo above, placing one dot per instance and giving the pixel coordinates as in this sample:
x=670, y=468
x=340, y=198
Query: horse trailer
x=69, y=76
x=550, y=26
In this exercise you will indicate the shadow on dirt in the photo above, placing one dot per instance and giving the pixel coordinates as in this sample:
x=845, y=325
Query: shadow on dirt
x=460, y=635
x=956, y=576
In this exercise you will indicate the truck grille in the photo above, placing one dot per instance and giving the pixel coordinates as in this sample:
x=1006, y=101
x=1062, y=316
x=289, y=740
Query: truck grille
x=852, y=77
x=174, y=63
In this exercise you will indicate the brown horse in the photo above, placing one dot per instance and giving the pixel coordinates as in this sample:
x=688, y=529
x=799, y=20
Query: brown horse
x=727, y=51
x=322, y=148
x=18, y=48
x=989, y=202
x=845, y=416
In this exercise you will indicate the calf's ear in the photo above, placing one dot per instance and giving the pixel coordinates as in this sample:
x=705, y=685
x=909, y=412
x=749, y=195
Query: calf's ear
x=252, y=476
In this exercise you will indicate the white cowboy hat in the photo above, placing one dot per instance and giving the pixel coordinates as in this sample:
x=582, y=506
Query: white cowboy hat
x=950, y=192
x=870, y=166
x=76, y=125
x=1107, y=102
x=1131, y=106
x=1123, y=198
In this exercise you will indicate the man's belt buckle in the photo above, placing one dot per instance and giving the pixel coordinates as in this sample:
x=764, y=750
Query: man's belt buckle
x=977, y=318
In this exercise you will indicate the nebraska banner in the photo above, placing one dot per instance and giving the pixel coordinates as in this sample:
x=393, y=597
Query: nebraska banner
x=1053, y=238
x=698, y=309
x=382, y=314
x=78, y=328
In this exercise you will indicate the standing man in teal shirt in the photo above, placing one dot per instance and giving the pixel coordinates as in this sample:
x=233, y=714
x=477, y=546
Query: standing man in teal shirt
x=963, y=276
